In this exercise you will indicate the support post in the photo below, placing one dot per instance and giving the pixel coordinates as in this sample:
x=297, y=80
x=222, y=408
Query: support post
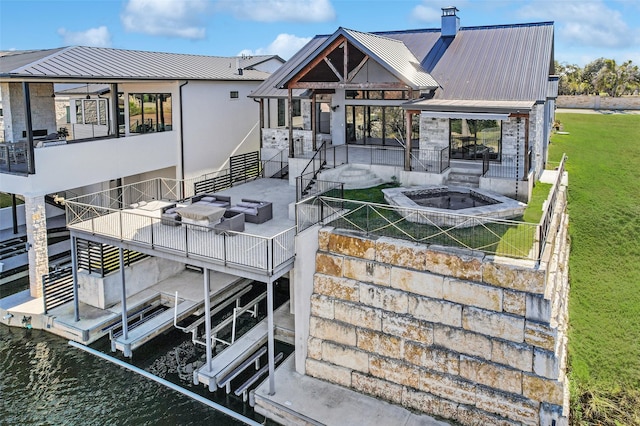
x=270, y=338
x=31, y=165
x=115, y=113
x=125, y=325
x=407, y=145
x=74, y=272
x=289, y=117
x=14, y=212
x=207, y=320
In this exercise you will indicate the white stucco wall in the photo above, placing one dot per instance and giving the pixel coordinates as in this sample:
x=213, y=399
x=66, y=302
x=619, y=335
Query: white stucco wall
x=216, y=126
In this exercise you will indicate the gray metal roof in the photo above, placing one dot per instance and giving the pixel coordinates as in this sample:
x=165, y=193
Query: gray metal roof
x=458, y=105
x=501, y=62
x=104, y=64
x=391, y=54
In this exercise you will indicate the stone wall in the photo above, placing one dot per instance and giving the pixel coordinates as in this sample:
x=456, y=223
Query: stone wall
x=599, y=102
x=461, y=335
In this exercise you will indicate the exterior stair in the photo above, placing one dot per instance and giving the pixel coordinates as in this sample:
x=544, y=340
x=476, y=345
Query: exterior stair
x=465, y=176
x=357, y=178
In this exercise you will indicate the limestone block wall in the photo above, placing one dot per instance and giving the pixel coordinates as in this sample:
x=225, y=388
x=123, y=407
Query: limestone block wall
x=599, y=102
x=465, y=336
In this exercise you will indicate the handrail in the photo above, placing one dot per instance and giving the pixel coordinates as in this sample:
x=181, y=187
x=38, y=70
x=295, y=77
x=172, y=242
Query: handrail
x=547, y=216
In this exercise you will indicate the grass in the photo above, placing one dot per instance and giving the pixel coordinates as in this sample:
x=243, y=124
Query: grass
x=505, y=239
x=5, y=200
x=604, y=307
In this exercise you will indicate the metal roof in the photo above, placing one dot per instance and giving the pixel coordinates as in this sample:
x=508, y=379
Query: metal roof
x=458, y=105
x=391, y=54
x=497, y=63
x=104, y=64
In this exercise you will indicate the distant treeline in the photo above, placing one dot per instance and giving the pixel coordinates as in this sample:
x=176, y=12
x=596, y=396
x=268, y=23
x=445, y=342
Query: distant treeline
x=598, y=77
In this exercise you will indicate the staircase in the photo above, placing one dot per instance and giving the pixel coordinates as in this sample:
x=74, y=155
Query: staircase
x=357, y=178
x=467, y=175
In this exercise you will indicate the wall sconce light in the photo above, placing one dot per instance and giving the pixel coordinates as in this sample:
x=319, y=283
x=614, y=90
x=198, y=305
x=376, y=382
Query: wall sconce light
x=27, y=246
x=335, y=107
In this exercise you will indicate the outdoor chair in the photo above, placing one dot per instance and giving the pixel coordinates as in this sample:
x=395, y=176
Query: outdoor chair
x=254, y=211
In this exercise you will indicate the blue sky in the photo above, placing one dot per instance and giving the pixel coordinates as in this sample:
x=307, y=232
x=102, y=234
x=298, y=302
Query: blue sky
x=584, y=30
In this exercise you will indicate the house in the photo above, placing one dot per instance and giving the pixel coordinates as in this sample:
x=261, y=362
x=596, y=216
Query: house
x=133, y=115
x=464, y=103
x=449, y=326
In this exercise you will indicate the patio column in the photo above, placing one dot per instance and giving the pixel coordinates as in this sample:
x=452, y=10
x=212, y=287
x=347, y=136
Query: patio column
x=270, y=338
x=31, y=166
x=313, y=121
x=37, y=249
x=123, y=302
x=114, y=110
x=74, y=272
x=207, y=321
x=407, y=145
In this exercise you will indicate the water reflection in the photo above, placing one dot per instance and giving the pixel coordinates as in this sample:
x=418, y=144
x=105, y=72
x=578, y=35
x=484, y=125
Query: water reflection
x=44, y=381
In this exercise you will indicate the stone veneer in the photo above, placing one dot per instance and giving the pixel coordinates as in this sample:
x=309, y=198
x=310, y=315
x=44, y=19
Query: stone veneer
x=461, y=335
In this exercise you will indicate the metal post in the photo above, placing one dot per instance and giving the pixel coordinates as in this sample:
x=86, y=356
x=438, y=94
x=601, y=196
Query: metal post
x=29, y=125
x=125, y=325
x=74, y=272
x=14, y=211
x=270, y=339
x=207, y=321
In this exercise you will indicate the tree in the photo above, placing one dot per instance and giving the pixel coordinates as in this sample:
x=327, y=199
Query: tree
x=616, y=80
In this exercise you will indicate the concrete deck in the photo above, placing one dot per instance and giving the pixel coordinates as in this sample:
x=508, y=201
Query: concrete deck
x=304, y=400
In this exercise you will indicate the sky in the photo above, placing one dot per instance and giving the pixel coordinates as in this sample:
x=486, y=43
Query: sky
x=584, y=30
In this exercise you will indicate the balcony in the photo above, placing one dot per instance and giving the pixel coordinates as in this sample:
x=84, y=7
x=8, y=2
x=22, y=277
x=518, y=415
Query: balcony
x=131, y=216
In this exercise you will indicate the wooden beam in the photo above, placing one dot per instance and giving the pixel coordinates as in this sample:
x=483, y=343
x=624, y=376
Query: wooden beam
x=341, y=85
x=357, y=69
x=335, y=71
x=407, y=145
x=334, y=45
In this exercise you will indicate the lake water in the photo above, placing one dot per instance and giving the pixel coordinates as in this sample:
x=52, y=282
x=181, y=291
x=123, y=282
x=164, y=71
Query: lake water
x=45, y=381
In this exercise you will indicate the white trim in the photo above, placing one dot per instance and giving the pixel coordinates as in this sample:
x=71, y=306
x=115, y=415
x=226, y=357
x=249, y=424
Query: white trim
x=467, y=115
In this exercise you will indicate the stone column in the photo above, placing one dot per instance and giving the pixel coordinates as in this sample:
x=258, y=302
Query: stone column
x=36, y=221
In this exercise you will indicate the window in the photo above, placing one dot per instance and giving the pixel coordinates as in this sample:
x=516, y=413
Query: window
x=384, y=125
x=150, y=112
x=471, y=139
x=281, y=113
x=91, y=111
x=233, y=94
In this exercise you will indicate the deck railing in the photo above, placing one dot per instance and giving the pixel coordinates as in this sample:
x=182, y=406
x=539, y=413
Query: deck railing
x=508, y=167
x=259, y=253
x=491, y=236
x=550, y=207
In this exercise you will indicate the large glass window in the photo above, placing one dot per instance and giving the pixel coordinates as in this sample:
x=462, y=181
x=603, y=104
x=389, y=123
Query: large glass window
x=150, y=112
x=376, y=125
x=471, y=139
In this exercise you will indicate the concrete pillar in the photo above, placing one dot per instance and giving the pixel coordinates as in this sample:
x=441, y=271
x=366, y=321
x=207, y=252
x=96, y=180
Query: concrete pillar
x=36, y=221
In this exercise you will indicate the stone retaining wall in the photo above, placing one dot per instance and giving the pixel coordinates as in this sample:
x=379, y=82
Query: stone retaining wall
x=599, y=102
x=460, y=335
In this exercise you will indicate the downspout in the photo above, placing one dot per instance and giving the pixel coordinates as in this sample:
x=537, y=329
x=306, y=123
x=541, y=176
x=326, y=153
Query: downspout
x=261, y=102
x=182, y=141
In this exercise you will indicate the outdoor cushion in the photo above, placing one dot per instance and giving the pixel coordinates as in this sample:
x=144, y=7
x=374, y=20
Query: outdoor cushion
x=208, y=199
x=171, y=210
x=246, y=204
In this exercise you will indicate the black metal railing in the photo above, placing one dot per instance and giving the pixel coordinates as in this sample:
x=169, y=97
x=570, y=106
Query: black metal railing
x=103, y=259
x=549, y=211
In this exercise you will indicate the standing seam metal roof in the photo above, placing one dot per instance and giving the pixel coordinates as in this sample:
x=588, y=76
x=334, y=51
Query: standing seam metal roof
x=497, y=63
x=104, y=63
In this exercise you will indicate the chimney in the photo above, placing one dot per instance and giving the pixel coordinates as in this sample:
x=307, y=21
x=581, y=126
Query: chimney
x=238, y=66
x=450, y=21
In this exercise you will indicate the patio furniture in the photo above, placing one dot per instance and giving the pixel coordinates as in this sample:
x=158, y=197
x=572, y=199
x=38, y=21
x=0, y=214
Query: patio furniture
x=202, y=214
x=169, y=215
x=230, y=221
x=254, y=211
x=212, y=199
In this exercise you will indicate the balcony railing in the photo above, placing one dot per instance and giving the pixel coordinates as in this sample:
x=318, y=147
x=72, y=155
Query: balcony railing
x=103, y=213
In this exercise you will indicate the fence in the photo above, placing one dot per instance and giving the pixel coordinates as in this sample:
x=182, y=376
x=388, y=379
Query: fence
x=103, y=259
x=491, y=236
x=57, y=288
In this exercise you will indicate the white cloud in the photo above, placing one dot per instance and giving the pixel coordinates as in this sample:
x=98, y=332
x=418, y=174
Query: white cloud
x=425, y=13
x=280, y=10
x=588, y=23
x=285, y=46
x=97, y=37
x=172, y=18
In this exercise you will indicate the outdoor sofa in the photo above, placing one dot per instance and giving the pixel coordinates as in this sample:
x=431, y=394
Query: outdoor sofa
x=254, y=211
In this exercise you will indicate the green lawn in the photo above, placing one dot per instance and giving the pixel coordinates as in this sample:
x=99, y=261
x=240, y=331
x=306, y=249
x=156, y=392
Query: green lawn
x=604, y=307
x=5, y=200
